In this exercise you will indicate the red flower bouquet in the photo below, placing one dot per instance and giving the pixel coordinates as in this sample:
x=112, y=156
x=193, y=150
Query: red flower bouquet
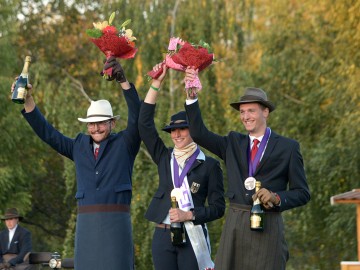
x=182, y=54
x=111, y=41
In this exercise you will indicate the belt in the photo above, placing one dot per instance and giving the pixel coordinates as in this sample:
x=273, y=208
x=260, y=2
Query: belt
x=103, y=208
x=163, y=226
x=247, y=208
x=240, y=207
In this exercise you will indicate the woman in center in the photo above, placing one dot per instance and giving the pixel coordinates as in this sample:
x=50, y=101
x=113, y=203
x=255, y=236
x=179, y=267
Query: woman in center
x=194, y=178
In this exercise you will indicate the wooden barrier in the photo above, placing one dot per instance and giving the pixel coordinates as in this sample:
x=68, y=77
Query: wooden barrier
x=350, y=197
x=350, y=265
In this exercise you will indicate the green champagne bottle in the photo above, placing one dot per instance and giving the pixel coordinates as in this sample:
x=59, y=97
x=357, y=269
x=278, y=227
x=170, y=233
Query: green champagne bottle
x=21, y=86
x=257, y=214
x=177, y=228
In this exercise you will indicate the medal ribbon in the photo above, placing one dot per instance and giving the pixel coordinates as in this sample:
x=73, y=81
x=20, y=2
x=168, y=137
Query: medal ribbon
x=255, y=162
x=178, y=180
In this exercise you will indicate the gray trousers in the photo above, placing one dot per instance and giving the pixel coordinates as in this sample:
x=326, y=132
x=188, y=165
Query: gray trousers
x=243, y=249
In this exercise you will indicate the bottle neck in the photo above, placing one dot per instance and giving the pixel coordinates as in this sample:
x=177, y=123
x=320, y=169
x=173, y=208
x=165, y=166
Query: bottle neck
x=257, y=188
x=174, y=204
x=26, y=68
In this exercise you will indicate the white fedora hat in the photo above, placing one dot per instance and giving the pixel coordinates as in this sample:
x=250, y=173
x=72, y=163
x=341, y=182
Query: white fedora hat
x=98, y=111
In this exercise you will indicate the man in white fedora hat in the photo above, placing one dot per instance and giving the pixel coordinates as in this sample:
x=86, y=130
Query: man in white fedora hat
x=104, y=164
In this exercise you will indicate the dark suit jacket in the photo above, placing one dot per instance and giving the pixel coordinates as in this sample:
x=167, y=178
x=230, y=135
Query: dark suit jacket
x=106, y=180
x=206, y=172
x=20, y=244
x=281, y=169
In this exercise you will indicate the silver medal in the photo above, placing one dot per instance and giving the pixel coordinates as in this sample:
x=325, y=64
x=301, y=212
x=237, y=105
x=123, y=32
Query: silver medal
x=250, y=183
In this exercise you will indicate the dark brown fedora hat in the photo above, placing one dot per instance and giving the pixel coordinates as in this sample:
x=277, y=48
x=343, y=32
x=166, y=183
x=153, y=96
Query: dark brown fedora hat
x=252, y=95
x=11, y=213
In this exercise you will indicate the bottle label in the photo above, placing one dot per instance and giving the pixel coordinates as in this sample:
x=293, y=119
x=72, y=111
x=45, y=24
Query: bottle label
x=256, y=202
x=178, y=237
x=21, y=93
x=255, y=221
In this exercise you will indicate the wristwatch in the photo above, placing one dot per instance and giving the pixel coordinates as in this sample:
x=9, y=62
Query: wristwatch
x=277, y=197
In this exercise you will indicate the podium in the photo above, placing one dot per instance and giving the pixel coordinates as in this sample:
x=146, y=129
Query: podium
x=350, y=197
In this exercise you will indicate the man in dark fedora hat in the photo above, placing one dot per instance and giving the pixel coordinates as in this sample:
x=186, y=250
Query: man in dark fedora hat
x=194, y=179
x=104, y=162
x=15, y=243
x=260, y=155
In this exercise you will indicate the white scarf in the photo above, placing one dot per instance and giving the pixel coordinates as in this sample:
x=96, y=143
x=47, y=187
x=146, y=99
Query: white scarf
x=183, y=154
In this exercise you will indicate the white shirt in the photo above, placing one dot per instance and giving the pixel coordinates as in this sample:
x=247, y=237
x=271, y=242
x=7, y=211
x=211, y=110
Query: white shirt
x=95, y=145
x=11, y=234
x=252, y=138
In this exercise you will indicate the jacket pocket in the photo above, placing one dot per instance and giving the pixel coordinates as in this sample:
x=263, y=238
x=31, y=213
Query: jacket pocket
x=123, y=187
x=159, y=194
x=230, y=195
x=79, y=195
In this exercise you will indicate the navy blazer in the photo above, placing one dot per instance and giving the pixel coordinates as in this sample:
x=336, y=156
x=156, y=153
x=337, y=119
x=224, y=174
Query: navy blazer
x=20, y=244
x=106, y=180
x=206, y=172
x=280, y=170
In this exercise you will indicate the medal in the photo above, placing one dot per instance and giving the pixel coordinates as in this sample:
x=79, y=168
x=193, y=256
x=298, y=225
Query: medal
x=176, y=192
x=250, y=183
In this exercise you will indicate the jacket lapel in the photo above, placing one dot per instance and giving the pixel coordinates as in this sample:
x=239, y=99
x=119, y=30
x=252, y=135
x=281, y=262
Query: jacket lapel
x=269, y=148
x=102, y=147
x=243, y=149
x=8, y=243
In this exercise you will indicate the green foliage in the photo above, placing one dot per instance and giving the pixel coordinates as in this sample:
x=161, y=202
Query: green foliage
x=94, y=33
x=304, y=54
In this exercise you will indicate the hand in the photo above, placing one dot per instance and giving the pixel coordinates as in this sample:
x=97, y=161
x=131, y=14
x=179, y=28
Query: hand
x=191, y=74
x=28, y=94
x=157, y=68
x=267, y=198
x=114, y=70
x=178, y=215
x=160, y=68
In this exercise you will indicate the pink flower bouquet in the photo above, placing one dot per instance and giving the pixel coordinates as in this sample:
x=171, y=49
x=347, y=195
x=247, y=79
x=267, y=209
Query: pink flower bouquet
x=112, y=41
x=182, y=54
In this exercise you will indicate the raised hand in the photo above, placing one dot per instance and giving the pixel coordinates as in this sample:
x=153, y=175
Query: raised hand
x=191, y=74
x=113, y=70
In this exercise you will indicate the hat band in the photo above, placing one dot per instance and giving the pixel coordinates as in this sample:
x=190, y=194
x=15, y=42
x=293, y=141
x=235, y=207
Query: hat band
x=249, y=97
x=99, y=115
x=178, y=122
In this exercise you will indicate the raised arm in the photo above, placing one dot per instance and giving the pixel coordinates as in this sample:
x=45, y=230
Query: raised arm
x=147, y=128
x=132, y=100
x=153, y=91
x=201, y=135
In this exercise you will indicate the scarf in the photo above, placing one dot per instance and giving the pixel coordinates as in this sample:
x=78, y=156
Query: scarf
x=183, y=154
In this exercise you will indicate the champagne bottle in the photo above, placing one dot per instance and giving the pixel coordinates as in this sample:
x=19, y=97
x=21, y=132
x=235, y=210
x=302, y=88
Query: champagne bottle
x=177, y=228
x=21, y=86
x=257, y=214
